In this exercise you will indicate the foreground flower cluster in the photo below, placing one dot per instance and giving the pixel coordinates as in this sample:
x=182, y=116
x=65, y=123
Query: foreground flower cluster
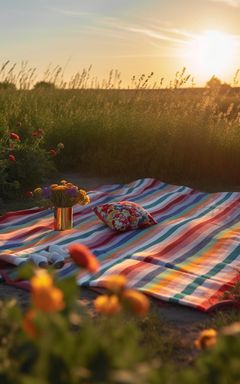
x=57, y=341
x=47, y=298
x=118, y=296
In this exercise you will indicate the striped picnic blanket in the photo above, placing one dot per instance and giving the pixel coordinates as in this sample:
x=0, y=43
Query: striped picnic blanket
x=190, y=257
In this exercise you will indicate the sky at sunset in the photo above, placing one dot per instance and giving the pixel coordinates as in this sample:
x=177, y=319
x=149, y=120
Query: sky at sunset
x=134, y=36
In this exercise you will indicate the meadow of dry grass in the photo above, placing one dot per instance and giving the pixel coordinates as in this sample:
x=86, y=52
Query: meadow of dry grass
x=181, y=136
x=178, y=134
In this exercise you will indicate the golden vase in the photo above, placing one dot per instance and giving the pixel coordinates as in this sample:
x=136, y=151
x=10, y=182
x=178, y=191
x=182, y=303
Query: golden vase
x=63, y=218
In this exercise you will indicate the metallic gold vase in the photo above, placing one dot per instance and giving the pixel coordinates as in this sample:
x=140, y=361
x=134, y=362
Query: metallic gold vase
x=63, y=218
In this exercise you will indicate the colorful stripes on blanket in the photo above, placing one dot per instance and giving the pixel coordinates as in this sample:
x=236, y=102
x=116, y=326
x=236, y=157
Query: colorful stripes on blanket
x=190, y=257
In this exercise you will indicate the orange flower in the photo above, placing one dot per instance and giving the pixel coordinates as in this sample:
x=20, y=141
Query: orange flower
x=45, y=296
x=136, y=302
x=115, y=283
x=207, y=339
x=83, y=257
x=53, y=185
x=12, y=158
x=28, y=323
x=108, y=305
x=14, y=136
x=60, y=188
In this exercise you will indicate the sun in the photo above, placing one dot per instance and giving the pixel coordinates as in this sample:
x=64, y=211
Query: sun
x=212, y=53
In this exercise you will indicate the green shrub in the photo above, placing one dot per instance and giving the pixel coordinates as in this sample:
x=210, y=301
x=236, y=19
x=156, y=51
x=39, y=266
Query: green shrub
x=44, y=85
x=24, y=160
x=32, y=166
x=6, y=85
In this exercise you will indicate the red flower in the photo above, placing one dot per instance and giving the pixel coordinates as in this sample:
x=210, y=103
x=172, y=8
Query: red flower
x=29, y=194
x=12, y=158
x=38, y=133
x=83, y=257
x=14, y=136
x=52, y=152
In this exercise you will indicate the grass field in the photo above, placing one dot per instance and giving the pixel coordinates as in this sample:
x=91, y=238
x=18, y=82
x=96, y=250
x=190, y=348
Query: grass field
x=180, y=135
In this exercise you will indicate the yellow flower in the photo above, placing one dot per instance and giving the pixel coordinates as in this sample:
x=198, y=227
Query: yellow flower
x=28, y=324
x=115, y=283
x=45, y=296
x=108, y=305
x=38, y=191
x=207, y=339
x=41, y=279
x=136, y=302
x=86, y=200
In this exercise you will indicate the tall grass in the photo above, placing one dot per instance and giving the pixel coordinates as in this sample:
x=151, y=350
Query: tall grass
x=181, y=135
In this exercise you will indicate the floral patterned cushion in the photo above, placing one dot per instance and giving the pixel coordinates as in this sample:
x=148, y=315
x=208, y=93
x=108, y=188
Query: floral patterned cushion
x=124, y=215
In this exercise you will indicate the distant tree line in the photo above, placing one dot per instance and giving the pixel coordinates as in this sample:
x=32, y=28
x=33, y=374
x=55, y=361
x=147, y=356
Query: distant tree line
x=39, y=85
x=213, y=83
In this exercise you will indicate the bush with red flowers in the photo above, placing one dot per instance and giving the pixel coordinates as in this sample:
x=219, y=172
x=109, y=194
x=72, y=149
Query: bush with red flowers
x=9, y=142
x=24, y=161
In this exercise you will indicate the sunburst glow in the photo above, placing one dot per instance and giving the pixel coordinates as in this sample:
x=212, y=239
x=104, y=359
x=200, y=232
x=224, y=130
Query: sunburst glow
x=213, y=53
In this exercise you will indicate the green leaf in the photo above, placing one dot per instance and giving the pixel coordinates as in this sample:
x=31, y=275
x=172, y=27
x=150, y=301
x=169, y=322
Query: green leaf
x=69, y=288
x=26, y=271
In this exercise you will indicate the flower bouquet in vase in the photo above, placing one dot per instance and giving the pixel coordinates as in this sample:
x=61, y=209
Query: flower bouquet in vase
x=61, y=198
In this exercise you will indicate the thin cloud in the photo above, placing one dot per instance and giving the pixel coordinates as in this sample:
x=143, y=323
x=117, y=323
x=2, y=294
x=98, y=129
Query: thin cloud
x=114, y=25
x=152, y=30
x=69, y=12
x=154, y=34
x=231, y=3
x=178, y=32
